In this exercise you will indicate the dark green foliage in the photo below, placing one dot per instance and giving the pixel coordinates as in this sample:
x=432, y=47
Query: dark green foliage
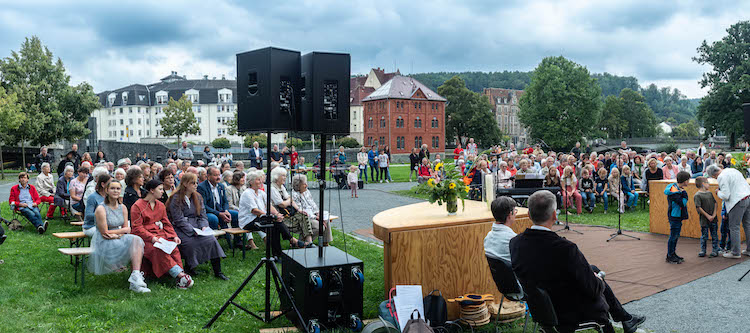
x=291, y=141
x=562, y=103
x=728, y=80
x=686, y=130
x=477, y=81
x=612, y=85
x=260, y=137
x=468, y=114
x=669, y=103
x=348, y=142
x=221, y=143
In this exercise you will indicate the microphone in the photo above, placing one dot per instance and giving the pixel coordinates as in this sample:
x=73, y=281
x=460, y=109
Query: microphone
x=601, y=274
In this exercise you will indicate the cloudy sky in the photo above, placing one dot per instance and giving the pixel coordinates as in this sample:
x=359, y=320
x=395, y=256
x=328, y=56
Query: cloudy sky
x=113, y=45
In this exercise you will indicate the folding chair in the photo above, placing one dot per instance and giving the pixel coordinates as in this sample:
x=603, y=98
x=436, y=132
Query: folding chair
x=507, y=284
x=543, y=312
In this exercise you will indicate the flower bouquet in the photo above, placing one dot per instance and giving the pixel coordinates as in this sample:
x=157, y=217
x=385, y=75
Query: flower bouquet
x=447, y=189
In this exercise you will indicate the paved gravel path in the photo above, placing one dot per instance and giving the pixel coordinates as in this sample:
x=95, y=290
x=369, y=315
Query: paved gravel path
x=357, y=213
x=715, y=303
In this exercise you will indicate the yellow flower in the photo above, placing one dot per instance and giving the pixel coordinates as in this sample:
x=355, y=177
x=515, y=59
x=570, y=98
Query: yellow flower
x=734, y=161
x=431, y=182
x=452, y=186
x=438, y=166
x=466, y=189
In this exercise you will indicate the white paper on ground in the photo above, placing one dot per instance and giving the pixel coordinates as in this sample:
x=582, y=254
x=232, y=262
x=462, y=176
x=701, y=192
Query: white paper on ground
x=201, y=232
x=165, y=245
x=408, y=299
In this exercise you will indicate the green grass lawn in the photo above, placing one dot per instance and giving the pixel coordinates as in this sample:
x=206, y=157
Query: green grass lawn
x=37, y=292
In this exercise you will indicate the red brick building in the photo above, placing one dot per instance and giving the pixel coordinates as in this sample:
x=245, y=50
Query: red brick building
x=404, y=114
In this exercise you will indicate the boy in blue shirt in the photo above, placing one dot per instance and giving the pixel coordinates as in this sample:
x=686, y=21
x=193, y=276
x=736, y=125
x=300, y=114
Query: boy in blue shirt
x=677, y=199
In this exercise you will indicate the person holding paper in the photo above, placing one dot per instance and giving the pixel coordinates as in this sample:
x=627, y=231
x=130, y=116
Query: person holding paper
x=186, y=211
x=149, y=221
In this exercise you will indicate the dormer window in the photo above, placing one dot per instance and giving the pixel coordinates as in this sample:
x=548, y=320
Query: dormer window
x=111, y=99
x=225, y=96
x=192, y=96
x=162, y=97
x=125, y=98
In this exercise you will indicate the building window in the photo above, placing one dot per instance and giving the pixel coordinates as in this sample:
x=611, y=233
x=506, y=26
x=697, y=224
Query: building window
x=122, y=121
x=147, y=122
x=399, y=122
x=354, y=116
x=131, y=132
x=139, y=121
x=197, y=108
x=382, y=122
x=122, y=133
x=199, y=119
x=124, y=98
x=121, y=110
x=435, y=142
x=420, y=106
x=193, y=98
x=162, y=98
x=434, y=122
x=148, y=132
x=225, y=98
x=369, y=141
x=382, y=140
x=417, y=123
x=130, y=121
x=369, y=123
x=417, y=141
x=139, y=133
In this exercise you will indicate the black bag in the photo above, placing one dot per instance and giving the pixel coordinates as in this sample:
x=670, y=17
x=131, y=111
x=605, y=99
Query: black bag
x=287, y=211
x=435, y=308
x=361, y=184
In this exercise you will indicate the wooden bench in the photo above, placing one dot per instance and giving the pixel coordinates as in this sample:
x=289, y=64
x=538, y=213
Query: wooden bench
x=643, y=197
x=76, y=238
x=76, y=223
x=79, y=253
x=234, y=232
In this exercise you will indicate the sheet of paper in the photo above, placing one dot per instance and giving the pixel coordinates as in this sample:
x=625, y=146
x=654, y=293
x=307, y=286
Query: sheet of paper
x=165, y=245
x=326, y=215
x=408, y=299
x=201, y=232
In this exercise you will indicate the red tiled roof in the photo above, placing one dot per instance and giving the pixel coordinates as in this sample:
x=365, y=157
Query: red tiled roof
x=358, y=93
x=495, y=93
x=384, y=77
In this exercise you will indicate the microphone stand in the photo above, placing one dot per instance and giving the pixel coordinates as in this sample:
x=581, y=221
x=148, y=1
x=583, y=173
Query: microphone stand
x=565, y=197
x=619, y=213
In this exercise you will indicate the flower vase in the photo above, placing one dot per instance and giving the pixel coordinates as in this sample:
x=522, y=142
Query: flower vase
x=451, y=206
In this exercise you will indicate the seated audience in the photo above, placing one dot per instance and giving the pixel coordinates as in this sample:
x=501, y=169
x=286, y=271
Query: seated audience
x=134, y=189
x=45, y=186
x=150, y=222
x=168, y=184
x=215, y=201
x=77, y=187
x=587, y=187
x=112, y=245
x=503, y=176
x=669, y=170
x=497, y=241
x=602, y=187
x=253, y=207
x=25, y=199
x=628, y=187
x=294, y=217
x=93, y=201
x=62, y=195
x=543, y=259
x=234, y=193
x=302, y=197
x=424, y=171
x=186, y=212
x=696, y=169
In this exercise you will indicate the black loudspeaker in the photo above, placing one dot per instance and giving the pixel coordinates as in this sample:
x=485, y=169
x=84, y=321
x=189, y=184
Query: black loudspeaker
x=746, y=118
x=325, y=93
x=268, y=85
x=328, y=291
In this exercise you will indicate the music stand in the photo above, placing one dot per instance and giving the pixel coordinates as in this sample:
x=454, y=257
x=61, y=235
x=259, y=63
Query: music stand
x=619, y=218
x=567, y=224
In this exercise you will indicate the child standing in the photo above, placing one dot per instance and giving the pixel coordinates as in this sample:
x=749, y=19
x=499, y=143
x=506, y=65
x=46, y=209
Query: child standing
x=726, y=237
x=677, y=199
x=586, y=188
x=705, y=204
x=353, y=179
x=383, y=165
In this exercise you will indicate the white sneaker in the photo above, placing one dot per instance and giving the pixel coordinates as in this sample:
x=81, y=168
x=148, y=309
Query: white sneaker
x=387, y=181
x=136, y=278
x=139, y=289
x=730, y=255
x=184, y=282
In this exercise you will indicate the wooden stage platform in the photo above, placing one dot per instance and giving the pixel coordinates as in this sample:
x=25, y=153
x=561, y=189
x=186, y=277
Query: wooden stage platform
x=636, y=268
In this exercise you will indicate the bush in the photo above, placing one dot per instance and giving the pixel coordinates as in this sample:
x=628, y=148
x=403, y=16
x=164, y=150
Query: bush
x=261, y=138
x=667, y=147
x=221, y=143
x=348, y=142
x=297, y=143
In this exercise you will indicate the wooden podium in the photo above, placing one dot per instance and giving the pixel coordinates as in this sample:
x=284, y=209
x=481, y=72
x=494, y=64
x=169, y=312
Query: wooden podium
x=424, y=245
x=691, y=227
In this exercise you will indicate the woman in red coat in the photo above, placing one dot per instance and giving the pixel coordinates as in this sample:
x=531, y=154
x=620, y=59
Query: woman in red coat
x=149, y=221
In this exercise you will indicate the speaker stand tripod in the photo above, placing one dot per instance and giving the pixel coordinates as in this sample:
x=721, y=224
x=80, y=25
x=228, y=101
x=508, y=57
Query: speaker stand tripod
x=619, y=218
x=268, y=262
x=567, y=225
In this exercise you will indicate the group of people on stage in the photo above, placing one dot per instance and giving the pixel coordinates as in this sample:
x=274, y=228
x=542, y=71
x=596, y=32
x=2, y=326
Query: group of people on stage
x=167, y=215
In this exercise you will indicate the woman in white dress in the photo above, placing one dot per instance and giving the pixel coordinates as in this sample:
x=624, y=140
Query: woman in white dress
x=112, y=245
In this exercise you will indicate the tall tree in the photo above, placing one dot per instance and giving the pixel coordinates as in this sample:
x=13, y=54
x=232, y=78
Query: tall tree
x=11, y=118
x=686, y=130
x=612, y=85
x=54, y=110
x=468, y=114
x=640, y=119
x=728, y=81
x=179, y=119
x=613, y=122
x=561, y=105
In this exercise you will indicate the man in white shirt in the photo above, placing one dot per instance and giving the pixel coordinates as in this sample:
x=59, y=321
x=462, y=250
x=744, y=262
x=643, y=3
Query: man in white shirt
x=735, y=192
x=497, y=242
x=185, y=153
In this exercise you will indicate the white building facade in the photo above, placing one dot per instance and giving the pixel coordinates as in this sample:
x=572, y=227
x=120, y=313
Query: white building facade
x=133, y=113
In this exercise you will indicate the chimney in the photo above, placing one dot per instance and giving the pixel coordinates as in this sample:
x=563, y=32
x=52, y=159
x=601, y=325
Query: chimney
x=205, y=77
x=223, y=77
x=214, y=78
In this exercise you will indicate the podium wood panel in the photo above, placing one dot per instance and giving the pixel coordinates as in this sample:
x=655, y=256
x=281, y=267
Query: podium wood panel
x=658, y=209
x=425, y=246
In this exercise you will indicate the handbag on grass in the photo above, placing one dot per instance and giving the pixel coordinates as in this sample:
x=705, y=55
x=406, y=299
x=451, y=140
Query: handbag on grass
x=417, y=325
x=435, y=308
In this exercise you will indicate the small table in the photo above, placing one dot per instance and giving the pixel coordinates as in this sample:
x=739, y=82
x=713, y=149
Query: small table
x=424, y=245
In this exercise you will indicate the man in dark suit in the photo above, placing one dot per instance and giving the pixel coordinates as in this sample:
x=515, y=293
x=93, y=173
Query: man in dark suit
x=215, y=200
x=543, y=259
x=256, y=156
